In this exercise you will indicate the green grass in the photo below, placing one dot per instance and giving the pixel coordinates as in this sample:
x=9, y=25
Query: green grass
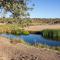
x=25, y=33
x=9, y=28
x=51, y=34
x=12, y=29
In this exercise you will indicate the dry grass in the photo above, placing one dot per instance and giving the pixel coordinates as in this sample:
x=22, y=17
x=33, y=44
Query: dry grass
x=42, y=27
x=24, y=52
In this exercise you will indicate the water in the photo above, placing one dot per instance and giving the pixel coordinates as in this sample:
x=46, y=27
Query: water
x=32, y=39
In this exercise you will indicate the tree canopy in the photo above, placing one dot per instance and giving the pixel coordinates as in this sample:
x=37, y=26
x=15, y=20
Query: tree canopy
x=18, y=8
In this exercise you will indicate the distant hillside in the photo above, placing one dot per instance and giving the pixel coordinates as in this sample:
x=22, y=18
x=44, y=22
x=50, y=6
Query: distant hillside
x=32, y=20
x=45, y=20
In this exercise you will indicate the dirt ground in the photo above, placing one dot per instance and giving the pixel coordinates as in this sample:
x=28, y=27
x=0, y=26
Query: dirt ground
x=21, y=51
x=42, y=27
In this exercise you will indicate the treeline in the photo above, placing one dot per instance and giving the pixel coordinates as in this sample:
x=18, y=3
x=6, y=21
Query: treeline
x=7, y=20
x=30, y=20
x=46, y=20
x=14, y=20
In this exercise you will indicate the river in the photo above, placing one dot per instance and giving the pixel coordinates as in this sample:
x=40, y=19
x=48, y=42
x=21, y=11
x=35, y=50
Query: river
x=33, y=39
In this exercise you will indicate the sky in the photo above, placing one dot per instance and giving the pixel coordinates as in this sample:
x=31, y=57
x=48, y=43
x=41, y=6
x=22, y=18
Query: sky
x=44, y=9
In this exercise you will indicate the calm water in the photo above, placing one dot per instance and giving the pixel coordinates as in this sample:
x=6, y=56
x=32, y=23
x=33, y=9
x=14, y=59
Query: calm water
x=33, y=38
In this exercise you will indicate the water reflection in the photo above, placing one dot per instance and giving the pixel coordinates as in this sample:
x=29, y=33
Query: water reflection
x=33, y=39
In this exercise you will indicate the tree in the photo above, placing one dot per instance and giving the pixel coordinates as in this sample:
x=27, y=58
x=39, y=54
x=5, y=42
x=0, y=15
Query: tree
x=18, y=8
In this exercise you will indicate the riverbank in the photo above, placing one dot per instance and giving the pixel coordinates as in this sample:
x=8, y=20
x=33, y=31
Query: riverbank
x=17, y=29
x=19, y=51
x=12, y=29
x=42, y=27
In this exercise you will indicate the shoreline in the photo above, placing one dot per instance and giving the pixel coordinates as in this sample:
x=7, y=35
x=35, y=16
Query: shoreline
x=42, y=27
x=21, y=51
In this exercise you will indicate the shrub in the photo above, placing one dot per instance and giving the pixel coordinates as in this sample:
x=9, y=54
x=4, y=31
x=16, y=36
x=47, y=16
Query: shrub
x=25, y=32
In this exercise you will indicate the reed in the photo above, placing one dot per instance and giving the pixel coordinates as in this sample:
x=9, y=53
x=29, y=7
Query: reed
x=51, y=34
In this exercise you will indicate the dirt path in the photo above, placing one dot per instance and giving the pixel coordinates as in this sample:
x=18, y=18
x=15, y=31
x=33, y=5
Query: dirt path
x=42, y=27
x=23, y=52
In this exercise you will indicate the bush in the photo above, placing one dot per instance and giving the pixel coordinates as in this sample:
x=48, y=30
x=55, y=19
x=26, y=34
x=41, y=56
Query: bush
x=25, y=33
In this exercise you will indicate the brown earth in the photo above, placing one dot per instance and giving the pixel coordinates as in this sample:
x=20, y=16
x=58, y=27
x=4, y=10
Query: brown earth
x=42, y=27
x=21, y=51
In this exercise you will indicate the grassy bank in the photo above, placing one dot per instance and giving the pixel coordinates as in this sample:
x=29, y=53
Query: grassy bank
x=12, y=29
x=51, y=34
x=57, y=48
x=14, y=41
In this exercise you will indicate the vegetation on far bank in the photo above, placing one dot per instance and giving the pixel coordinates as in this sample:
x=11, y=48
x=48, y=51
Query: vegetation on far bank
x=12, y=29
x=51, y=34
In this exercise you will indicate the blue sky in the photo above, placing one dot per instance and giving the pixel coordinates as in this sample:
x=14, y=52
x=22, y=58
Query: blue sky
x=44, y=9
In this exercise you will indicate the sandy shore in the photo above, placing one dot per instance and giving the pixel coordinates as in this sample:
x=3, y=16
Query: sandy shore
x=42, y=27
x=21, y=51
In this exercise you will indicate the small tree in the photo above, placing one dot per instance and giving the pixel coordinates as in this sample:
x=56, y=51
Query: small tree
x=18, y=8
